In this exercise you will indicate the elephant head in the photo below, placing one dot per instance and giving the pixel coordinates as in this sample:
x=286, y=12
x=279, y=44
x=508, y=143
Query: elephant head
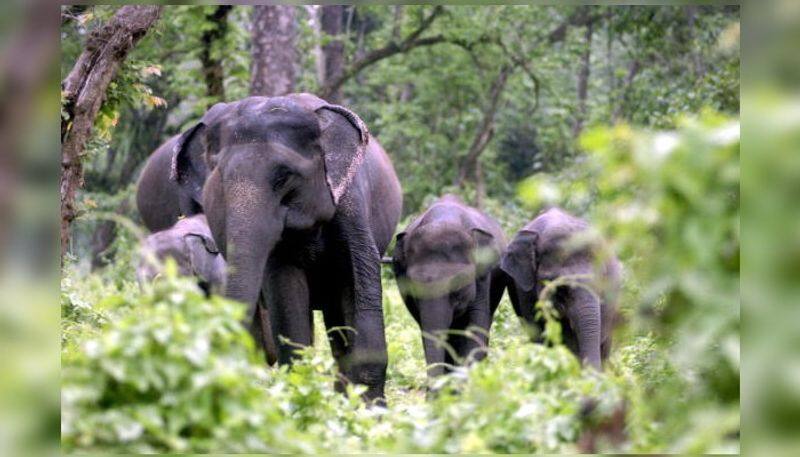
x=519, y=263
x=441, y=258
x=190, y=244
x=266, y=166
x=438, y=265
x=558, y=245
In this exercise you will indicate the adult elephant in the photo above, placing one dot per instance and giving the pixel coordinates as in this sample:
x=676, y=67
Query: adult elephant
x=159, y=199
x=302, y=202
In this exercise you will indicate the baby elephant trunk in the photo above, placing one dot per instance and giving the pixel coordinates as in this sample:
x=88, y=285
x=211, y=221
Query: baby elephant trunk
x=435, y=319
x=583, y=312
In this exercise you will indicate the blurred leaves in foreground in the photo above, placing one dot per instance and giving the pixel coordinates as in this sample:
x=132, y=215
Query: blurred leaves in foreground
x=670, y=202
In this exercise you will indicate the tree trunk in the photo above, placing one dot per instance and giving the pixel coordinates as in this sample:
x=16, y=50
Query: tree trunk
x=211, y=60
x=104, y=235
x=485, y=130
x=583, y=82
x=84, y=90
x=397, y=21
x=699, y=67
x=313, y=12
x=633, y=69
x=274, y=50
x=333, y=50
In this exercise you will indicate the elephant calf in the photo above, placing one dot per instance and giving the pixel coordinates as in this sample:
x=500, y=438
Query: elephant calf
x=558, y=245
x=190, y=243
x=445, y=263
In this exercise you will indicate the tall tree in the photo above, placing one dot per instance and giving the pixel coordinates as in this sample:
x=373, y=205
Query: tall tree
x=470, y=166
x=583, y=81
x=274, y=51
x=84, y=90
x=331, y=17
x=210, y=57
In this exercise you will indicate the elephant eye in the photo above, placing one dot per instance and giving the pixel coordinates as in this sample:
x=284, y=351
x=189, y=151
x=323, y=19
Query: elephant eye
x=280, y=177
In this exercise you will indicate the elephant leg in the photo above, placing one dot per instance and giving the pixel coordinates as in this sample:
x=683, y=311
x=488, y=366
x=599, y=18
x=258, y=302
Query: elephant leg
x=340, y=336
x=524, y=304
x=365, y=357
x=362, y=297
x=457, y=340
x=568, y=336
x=476, y=342
x=286, y=288
x=368, y=359
x=605, y=348
x=496, y=288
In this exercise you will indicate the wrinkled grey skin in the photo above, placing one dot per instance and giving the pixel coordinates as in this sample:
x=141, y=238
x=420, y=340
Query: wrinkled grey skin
x=446, y=268
x=557, y=244
x=302, y=202
x=190, y=243
x=159, y=199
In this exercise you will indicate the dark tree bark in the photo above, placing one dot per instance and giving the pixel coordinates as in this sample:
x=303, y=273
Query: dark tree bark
x=274, y=50
x=213, y=72
x=104, y=235
x=331, y=17
x=469, y=165
x=583, y=82
x=84, y=91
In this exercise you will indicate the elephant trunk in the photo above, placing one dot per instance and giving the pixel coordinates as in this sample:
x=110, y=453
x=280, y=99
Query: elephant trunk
x=584, y=316
x=252, y=229
x=435, y=319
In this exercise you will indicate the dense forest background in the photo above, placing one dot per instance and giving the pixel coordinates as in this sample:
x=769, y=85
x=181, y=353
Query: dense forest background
x=470, y=100
x=625, y=115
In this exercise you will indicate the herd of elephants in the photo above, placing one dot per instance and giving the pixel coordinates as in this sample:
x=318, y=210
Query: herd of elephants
x=287, y=204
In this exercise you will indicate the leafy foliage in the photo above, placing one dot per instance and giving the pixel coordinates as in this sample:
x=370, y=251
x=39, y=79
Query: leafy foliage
x=164, y=369
x=168, y=370
x=676, y=194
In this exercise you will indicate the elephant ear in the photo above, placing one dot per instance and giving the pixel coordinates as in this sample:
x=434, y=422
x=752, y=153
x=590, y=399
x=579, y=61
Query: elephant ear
x=399, y=261
x=399, y=254
x=485, y=253
x=203, y=261
x=189, y=168
x=206, y=241
x=519, y=260
x=344, y=138
x=191, y=158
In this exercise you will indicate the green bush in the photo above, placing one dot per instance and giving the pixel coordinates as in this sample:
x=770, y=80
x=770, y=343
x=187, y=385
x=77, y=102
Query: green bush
x=176, y=372
x=169, y=370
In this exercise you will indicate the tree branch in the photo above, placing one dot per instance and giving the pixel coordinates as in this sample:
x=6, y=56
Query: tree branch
x=392, y=48
x=84, y=90
x=580, y=17
x=486, y=129
x=521, y=63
